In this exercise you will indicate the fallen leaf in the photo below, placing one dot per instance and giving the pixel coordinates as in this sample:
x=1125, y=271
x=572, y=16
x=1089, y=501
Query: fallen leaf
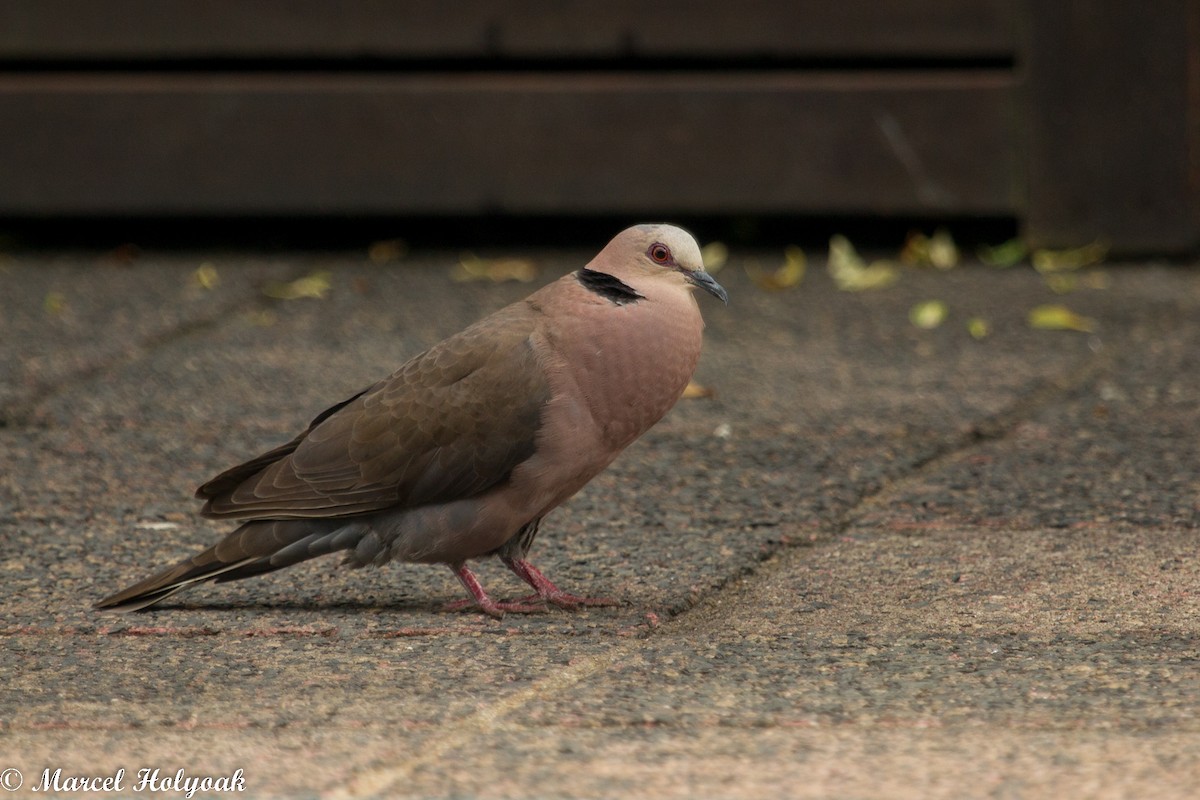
x=1069, y=259
x=714, y=255
x=386, y=251
x=785, y=277
x=315, y=285
x=54, y=304
x=937, y=251
x=1096, y=279
x=978, y=327
x=943, y=252
x=206, y=276
x=850, y=272
x=1008, y=254
x=928, y=314
x=1059, y=318
x=472, y=268
x=695, y=390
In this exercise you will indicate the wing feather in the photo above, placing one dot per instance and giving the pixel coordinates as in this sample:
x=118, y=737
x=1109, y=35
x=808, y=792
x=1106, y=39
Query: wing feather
x=451, y=423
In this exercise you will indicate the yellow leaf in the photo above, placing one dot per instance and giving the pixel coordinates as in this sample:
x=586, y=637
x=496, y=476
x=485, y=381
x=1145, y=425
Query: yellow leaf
x=938, y=250
x=714, y=256
x=315, y=285
x=55, y=303
x=1059, y=318
x=928, y=314
x=785, y=277
x=473, y=268
x=206, y=276
x=978, y=327
x=850, y=272
x=386, y=251
x=1073, y=258
x=1008, y=254
x=916, y=249
x=695, y=390
x=943, y=252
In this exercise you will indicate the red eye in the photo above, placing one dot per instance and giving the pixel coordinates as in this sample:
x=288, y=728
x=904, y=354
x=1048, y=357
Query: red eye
x=660, y=253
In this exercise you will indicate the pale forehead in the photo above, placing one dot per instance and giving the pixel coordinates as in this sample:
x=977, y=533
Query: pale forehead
x=673, y=237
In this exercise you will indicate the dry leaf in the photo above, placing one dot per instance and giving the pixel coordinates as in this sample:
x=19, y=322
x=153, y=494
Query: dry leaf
x=1073, y=258
x=915, y=250
x=206, y=276
x=978, y=327
x=943, y=252
x=937, y=251
x=850, y=272
x=714, y=256
x=55, y=303
x=472, y=268
x=695, y=390
x=1059, y=318
x=387, y=250
x=1008, y=254
x=315, y=285
x=928, y=314
x=1096, y=279
x=784, y=277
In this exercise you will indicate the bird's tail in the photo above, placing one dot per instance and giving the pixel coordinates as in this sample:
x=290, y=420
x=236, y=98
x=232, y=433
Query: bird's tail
x=253, y=549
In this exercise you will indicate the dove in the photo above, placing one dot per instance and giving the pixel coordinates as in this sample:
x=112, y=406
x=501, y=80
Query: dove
x=463, y=451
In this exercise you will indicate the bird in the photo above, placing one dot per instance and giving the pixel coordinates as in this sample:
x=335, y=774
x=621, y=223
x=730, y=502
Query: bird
x=460, y=453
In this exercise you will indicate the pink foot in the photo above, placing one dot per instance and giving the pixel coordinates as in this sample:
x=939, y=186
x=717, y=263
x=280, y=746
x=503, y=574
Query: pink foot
x=481, y=600
x=547, y=592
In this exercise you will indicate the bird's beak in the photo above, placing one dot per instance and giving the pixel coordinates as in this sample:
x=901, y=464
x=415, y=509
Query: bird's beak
x=706, y=282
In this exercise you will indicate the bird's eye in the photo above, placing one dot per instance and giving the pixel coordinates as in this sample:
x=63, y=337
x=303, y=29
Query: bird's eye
x=660, y=253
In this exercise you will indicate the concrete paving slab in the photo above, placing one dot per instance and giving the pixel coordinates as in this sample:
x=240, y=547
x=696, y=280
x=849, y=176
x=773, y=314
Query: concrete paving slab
x=72, y=315
x=880, y=562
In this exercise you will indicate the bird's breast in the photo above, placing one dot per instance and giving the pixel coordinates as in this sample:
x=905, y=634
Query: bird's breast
x=630, y=363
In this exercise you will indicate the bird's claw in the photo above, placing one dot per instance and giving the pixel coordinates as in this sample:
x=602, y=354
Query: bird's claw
x=496, y=608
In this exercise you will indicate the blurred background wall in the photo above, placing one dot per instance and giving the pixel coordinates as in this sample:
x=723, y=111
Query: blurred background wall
x=1073, y=121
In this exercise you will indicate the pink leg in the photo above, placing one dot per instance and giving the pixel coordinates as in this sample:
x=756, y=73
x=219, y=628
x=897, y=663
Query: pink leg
x=480, y=598
x=547, y=591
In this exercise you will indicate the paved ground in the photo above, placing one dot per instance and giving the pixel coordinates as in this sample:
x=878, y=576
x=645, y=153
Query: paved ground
x=880, y=562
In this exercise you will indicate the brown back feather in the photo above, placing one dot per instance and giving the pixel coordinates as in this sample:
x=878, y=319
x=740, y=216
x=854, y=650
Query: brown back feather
x=451, y=423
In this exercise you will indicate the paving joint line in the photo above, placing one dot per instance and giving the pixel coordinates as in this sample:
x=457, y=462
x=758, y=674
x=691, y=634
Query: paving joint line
x=994, y=428
x=23, y=412
x=487, y=722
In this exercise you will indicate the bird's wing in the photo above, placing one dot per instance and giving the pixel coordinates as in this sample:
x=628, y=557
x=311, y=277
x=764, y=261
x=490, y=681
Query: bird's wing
x=449, y=424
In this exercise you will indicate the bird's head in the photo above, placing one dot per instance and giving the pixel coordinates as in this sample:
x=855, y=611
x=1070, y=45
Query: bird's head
x=659, y=252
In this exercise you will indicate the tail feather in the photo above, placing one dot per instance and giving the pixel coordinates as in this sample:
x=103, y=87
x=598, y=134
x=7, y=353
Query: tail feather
x=253, y=549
